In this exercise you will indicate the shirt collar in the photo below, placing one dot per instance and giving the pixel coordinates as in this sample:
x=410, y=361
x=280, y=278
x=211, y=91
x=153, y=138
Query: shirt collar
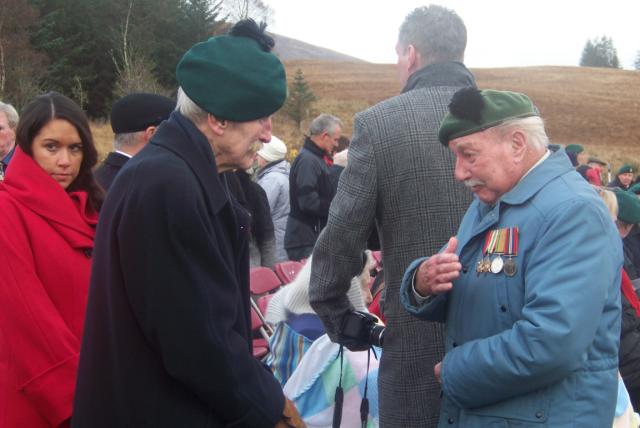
x=124, y=154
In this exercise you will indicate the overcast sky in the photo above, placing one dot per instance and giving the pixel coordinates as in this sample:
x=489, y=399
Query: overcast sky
x=501, y=33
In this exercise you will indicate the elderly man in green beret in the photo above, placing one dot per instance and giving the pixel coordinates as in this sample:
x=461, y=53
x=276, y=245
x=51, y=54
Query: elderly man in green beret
x=532, y=320
x=624, y=177
x=167, y=338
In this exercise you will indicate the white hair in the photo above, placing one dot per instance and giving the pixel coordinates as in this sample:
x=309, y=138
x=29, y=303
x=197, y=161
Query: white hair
x=11, y=113
x=189, y=109
x=532, y=126
x=127, y=139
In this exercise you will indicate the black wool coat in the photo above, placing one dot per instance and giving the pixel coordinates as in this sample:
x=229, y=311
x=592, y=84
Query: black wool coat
x=107, y=171
x=167, y=334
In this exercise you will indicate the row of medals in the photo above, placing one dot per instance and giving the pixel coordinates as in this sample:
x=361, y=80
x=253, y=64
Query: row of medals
x=497, y=265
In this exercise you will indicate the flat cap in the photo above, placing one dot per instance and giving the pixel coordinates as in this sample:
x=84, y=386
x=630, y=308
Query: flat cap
x=138, y=111
x=574, y=148
x=596, y=160
x=472, y=110
x=628, y=206
x=233, y=77
x=626, y=168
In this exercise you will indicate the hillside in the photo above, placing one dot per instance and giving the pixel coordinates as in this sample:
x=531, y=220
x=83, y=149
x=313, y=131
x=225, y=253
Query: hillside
x=289, y=49
x=598, y=108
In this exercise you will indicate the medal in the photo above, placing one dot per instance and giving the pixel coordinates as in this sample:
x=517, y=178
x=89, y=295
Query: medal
x=510, y=268
x=496, y=265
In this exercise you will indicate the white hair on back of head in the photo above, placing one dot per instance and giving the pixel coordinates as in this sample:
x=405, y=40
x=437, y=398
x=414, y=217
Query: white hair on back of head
x=532, y=126
x=189, y=109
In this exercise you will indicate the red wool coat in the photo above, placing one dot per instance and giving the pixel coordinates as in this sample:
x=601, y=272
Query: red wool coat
x=46, y=239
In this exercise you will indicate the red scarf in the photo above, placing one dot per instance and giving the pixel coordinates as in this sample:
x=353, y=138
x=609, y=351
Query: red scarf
x=629, y=292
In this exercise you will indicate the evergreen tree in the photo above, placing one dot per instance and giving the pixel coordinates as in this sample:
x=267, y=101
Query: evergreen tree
x=600, y=52
x=21, y=67
x=299, y=99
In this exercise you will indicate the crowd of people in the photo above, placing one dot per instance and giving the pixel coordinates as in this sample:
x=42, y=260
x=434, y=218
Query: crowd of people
x=511, y=272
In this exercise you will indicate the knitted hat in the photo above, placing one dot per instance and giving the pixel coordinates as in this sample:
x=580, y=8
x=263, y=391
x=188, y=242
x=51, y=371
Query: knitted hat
x=234, y=77
x=273, y=150
x=628, y=207
x=574, y=148
x=626, y=168
x=472, y=110
x=136, y=112
x=294, y=297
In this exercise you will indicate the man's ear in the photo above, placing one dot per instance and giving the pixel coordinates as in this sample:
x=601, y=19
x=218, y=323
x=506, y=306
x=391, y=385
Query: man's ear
x=218, y=126
x=414, y=60
x=148, y=133
x=519, y=144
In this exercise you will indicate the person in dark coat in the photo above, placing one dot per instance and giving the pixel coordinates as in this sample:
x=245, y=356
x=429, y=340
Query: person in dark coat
x=624, y=177
x=262, y=245
x=167, y=340
x=8, y=124
x=134, y=120
x=310, y=187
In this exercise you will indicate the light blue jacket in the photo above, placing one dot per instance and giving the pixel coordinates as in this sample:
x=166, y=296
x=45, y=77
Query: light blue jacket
x=274, y=179
x=540, y=348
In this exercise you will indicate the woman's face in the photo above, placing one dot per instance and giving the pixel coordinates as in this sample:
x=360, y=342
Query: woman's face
x=57, y=148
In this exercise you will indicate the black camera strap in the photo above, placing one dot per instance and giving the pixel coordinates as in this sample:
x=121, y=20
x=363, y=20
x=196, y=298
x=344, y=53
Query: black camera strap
x=339, y=397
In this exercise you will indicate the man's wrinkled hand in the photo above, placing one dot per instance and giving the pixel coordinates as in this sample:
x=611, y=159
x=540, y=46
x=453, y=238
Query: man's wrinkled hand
x=435, y=275
x=290, y=416
x=436, y=371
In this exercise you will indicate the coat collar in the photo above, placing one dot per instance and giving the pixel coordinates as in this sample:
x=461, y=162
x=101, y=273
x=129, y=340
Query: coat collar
x=180, y=136
x=451, y=73
x=33, y=188
x=313, y=148
x=116, y=159
x=555, y=165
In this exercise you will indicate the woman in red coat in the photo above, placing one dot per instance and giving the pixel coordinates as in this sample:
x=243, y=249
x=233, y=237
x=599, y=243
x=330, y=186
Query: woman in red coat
x=48, y=204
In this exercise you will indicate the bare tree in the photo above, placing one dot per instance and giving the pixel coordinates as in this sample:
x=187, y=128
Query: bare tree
x=134, y=69
x=242, y=9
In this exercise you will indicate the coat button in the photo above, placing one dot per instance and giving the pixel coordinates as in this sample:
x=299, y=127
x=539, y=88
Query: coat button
x=503, y=308
x=87, y=252
x=450, y=421
x=539, y=415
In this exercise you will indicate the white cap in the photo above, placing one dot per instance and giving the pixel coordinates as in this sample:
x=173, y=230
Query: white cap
x=273, y=150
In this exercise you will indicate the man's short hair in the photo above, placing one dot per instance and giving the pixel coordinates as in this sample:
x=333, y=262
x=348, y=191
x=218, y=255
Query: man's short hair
x=436, y=32
x=11, y=113
x=189, y=109
x=324, y=123
x=127, y=139
x=532, y=126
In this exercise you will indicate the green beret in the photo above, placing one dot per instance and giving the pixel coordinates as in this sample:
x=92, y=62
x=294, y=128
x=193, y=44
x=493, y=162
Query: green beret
x=472, y=110
x=233, y=78
x=574, y=148
x=596, y=160
x=628, y=207
x=626, y=168
x=634, y=189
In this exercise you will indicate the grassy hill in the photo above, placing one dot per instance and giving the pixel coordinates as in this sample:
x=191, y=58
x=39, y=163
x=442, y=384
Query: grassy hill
x=598, y=108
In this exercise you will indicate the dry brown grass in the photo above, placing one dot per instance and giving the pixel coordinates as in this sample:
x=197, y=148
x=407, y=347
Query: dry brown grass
x=598, y=108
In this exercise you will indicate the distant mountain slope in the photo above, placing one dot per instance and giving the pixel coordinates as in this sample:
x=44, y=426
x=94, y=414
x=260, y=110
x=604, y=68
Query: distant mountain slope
x=289, y=49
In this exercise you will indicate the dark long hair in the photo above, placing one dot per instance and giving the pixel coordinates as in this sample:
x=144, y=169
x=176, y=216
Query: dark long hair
x=52, y=105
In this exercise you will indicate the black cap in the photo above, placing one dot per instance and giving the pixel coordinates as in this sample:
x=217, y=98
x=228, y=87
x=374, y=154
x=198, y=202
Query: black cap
x=136, y=112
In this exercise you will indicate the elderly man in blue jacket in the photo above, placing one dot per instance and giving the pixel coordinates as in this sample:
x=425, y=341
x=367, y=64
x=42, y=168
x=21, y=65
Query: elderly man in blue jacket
x=529, y=287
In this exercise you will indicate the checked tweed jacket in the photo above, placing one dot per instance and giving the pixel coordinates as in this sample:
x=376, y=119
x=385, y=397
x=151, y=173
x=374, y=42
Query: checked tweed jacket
x=400, y=178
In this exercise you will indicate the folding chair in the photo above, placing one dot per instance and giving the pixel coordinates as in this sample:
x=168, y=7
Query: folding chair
x=287, y=271
x=263, y=280
x=260, y=345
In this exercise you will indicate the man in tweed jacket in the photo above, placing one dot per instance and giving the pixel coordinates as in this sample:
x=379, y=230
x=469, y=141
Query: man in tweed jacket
x=399, y=178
